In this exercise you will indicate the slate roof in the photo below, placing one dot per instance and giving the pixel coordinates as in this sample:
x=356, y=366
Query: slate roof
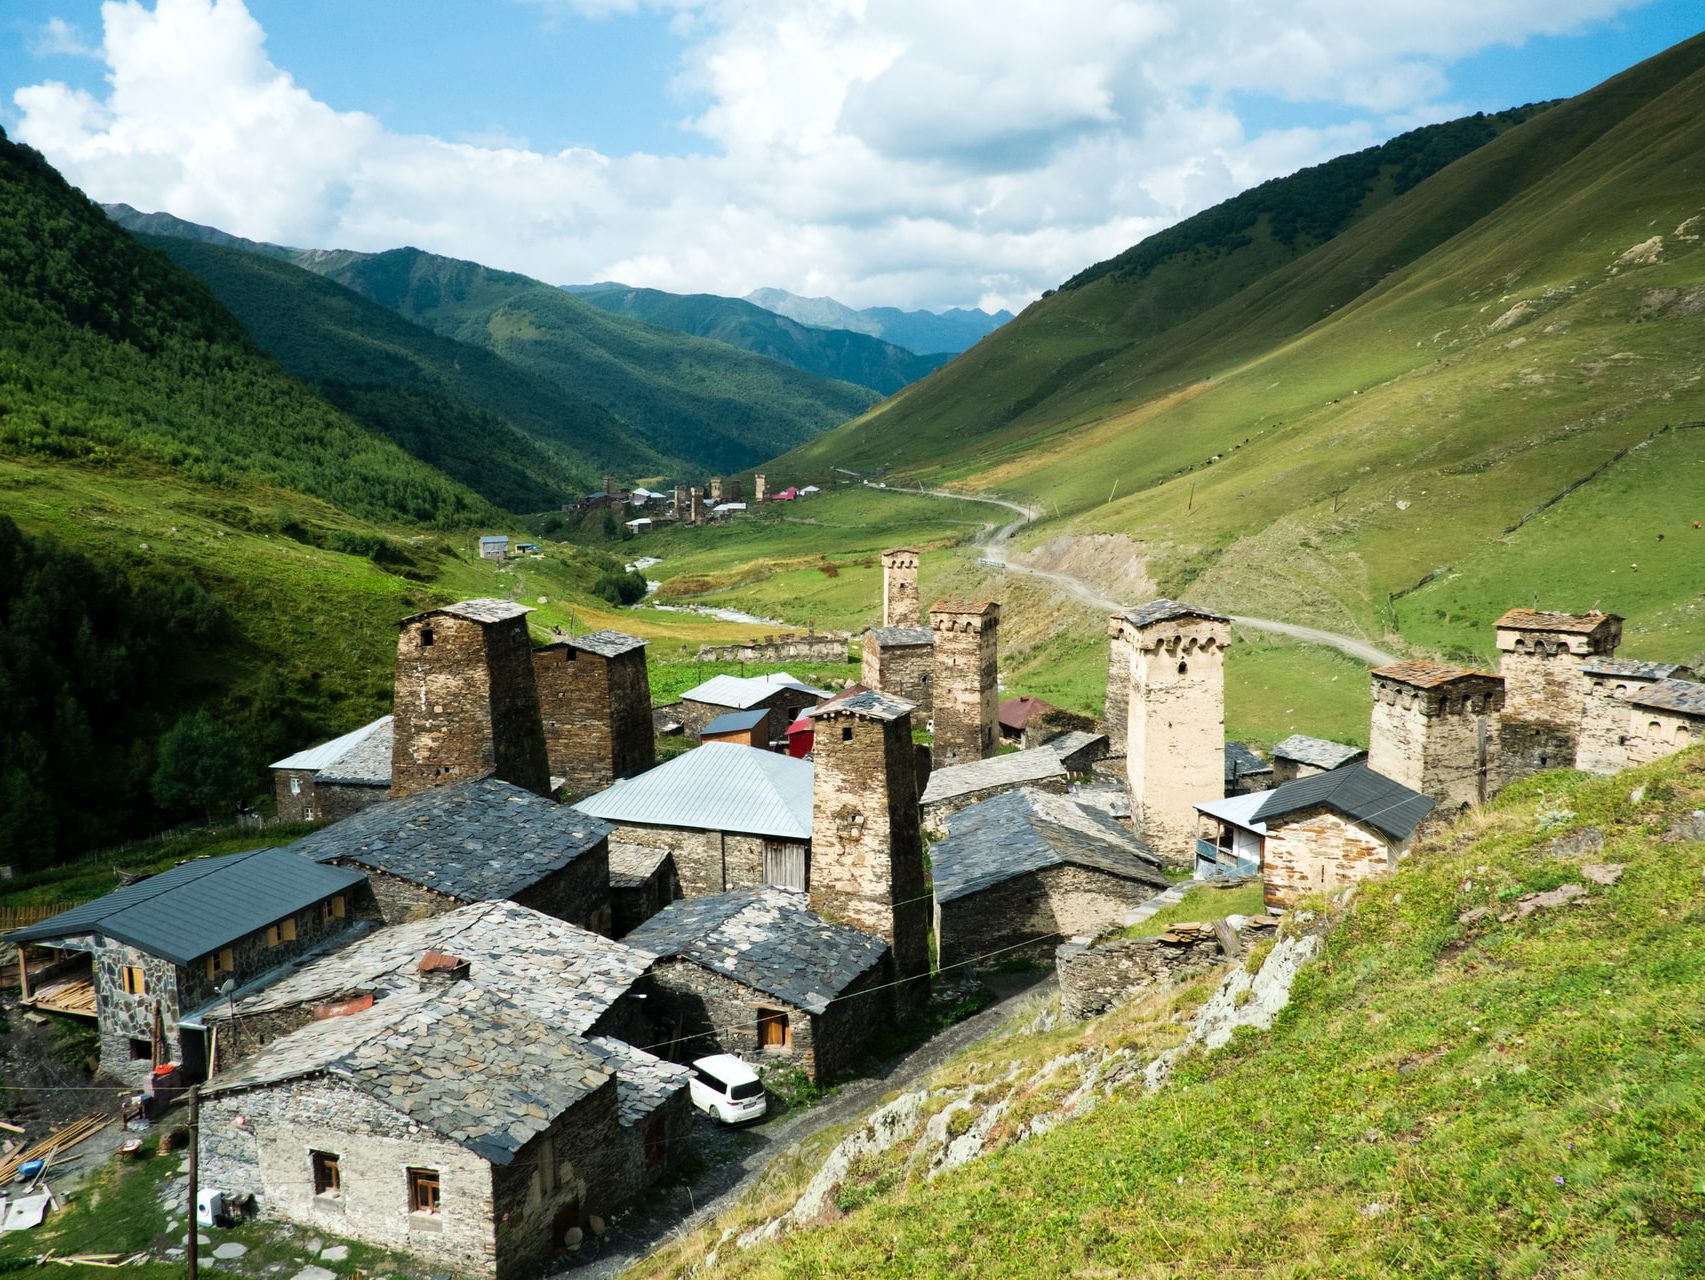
x=1015, y=713
x=465, y=1062
x=644, y=1082
x=1241, y=762
x=471, y=840
x=201, y=905
x=327, y=753
x=1027, y=830
x=1673, y=695
x=1012, y=769
x=900, y=637
x=742, y=692
x=608, y=644
x=1318, y=752
x=631, y=865
x=1630, y=669
x=719, y=786
x=978, y=607
x=767, y=938
x=1423, y=674
x=1165, y=610
x=1073, y=741
x=1355, y=791
x=735, y=721
x=563, y=974
x=366, y=764
x=872, y=703
x=1545, y=620
x=482, y=610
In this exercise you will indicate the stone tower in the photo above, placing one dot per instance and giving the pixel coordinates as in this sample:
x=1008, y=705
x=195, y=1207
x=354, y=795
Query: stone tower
x=466, y=702
x=759, y=487
x=1175, y=717
x=867, y=862
x=610, y=487
x=965, y=701
x=1121, y=657
x=1544, y=695
x=734, y=491
x=682, y=510
x=1611, y=686
x=1435, y=729
x=696, y=514
x=900, y=587
x=595, y=697
x=715, y=490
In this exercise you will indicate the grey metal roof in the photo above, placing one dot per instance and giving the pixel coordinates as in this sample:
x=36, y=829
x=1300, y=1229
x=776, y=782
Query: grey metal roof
x=767, y=938
x=471, y=840
x=1355, y=791
x=872, y=703
x=1319, y=752
x=997, y=840
x=201, y=905
x=565, y=975
x=1241, y=762
x=1240, y=811
x=741, y=692
x=1628, y=668
x=482, y=610
x=1012, y=769
x=608, y=644
x=465, y=1062
x=735, y=721
x=488, y=539
x=367, y=763
x=900, y=637
x=720, y=786
x=327, y=753
x=1673, y=695
x=1165, y=610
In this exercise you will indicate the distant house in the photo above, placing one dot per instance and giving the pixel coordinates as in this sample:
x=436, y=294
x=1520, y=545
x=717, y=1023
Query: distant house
x=743, y=728
x=756, y=972
x=951, y=788
x=167, y=944
x=786, y=495
x=723, y=510
x=476, y=841
x=1231, y=840
x=336, y=778
x=1027, y=870
x=730, y=817
x=1245, y=771
x=1333, y=828
x=641, y=525
x=1300, y=756
x=494, y=546
x=780, y=694
x=1015, y=713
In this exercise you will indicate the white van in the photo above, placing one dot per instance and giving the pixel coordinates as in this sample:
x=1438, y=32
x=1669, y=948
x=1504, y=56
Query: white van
x=725, y=1087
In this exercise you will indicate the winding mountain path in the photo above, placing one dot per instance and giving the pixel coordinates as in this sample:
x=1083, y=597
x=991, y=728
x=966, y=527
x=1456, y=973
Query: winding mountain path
x=993, y=544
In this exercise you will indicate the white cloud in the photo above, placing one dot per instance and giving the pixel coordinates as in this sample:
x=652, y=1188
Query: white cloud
x=57, y=37
x=909, y=152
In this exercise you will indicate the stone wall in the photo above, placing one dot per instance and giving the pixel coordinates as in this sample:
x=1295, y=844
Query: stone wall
x=1316, y=850
x=1608, y=722
x=578, y=893
x=1095, y=978
x=902, y=670
x=576, y=1168
x=1030, y=914
x=631, y=905
x=1442, y=742
x=294, y=792
x=1542, y=670
x=597, y=715
x=1654, y=733
x=705, y=861
x=965, y=703
x=900, y=605
x=1175, y=734
x=1121, y=659
x=1527, y=747
x=466, y=703
x=303, y=798
x=811, y=646
x=784, y=706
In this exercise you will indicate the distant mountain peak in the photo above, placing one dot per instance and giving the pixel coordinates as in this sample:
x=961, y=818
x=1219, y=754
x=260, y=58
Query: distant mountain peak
x=925, y=332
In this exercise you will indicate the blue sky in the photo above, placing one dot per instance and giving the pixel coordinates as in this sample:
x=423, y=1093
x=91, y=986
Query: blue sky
x=910, y=152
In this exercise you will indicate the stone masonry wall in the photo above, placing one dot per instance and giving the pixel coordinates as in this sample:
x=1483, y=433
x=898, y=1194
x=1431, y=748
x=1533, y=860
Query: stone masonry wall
x=1527, y=747
x=841, y=1031
x=1121, y=659
x=294, y=792
x=704, y=1012
x=812, y=646
x=706, y=861
x=1602, y=745
x=574, y=1169
x=1654, y=734
x=334, y=801
x=965, y=703
x=1443, y=744
x=579, y=893
x=1095, y=978
x=1175, y=735
x=902, y=670
x=1318, y=850
x=1030, y=914
x=900, y=605
x=574, y=703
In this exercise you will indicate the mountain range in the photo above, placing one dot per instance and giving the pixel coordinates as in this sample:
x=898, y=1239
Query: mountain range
x=926, y=332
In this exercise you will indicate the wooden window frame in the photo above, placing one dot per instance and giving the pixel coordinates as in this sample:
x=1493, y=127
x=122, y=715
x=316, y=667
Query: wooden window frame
x=134, y=979
x=769, y=1019
x=333, y=909
x=221, y=961
x=282, y=932
x=425, y=1192
x=327, y=1173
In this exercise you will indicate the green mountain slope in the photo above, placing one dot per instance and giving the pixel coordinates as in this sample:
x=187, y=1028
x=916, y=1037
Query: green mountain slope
x=838, y=354
x=1341, y=423
x=514, y=436
x=945, y=332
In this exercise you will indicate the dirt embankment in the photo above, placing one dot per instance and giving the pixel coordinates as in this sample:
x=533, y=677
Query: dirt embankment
x=1115, y=564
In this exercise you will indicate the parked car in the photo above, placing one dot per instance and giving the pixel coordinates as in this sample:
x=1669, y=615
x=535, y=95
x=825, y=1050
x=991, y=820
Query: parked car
x=726, y=1088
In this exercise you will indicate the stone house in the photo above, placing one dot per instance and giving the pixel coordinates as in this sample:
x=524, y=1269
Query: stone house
x=1435, y=729
x=1335, y=828
x=1666, y=718
x=165, y=945
x=952, y=788
x=1606, y=722
x=476, y=841
x=901, y=661
x=643, y=881
x=756, y=972
x=494, y=546
x=781, y=695
x=1245, y=771
x=595, y=701
x=1540, y=658
x=739, y=728
x=730, y=817
x=450, y=1123
x=1079, y=749
x=1300, y=756
x=1031, y=722
x=336, y=778
x=1025, y=870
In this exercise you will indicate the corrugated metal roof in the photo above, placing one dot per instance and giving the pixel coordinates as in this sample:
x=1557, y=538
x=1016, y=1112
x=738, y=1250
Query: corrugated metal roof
x=201, y=905
x=742, y=692
x=1355, y=791
x=324, y=754
x=719, y=786
x=1238, y=810
x=734, y=722
x=1009, y=770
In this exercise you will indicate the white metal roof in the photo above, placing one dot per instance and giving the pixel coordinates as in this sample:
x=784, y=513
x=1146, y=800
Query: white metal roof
x=742, y=692
x=1238, y=810
x=719, y=786
x=328, y=752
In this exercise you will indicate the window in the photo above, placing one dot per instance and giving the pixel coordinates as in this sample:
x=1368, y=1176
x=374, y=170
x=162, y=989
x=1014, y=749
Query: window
x=135, y=981
x=141, y=1050
x=295, y=786
x=332, y=908
x=846, y=733
x=773, y=1031
x=328, y=1181
x=425, y=637
x=283, y=931
x=222, y=961
x=423, y=1191
x=1183, y=668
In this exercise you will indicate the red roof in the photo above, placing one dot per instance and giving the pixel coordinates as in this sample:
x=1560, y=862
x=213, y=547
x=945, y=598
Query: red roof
x=1015, y=713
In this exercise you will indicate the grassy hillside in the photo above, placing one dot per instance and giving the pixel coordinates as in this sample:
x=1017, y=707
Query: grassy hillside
x=1514, y=1095
x=1398, y=400
x=513, y=436
x=837, y=354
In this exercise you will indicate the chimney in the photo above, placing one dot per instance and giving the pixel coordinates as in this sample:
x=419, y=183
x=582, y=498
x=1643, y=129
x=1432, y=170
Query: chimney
x=441, y=968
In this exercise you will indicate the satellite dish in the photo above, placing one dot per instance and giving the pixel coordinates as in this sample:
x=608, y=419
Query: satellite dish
x=228, y=986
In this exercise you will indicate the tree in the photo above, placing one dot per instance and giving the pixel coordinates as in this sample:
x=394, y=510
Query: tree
x=202, y=767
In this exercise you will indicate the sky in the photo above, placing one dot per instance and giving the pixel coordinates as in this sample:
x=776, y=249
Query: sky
x=912, y=153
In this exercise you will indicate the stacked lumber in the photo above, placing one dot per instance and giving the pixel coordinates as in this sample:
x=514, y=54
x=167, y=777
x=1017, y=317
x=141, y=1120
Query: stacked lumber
x=59, y=1141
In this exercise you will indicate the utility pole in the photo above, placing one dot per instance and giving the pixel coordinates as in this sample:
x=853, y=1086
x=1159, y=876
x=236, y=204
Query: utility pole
x=192, y=1245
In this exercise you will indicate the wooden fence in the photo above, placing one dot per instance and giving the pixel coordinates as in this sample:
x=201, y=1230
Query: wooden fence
x=18, y=917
